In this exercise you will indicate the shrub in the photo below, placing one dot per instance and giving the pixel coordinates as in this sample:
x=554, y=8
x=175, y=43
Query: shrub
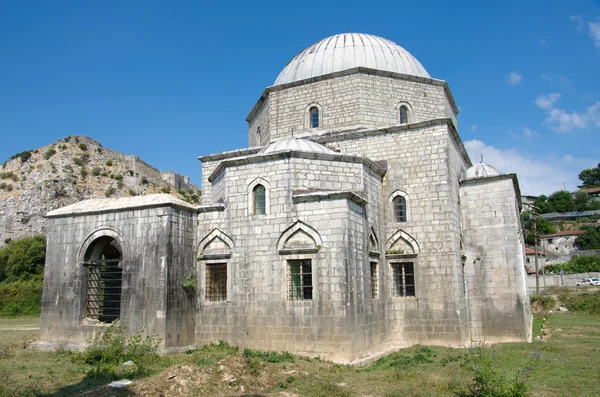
x=578, y=264
x=586, y=302
x=132, y=192
x=21, y=298
x=119, y=185
x=24, y=156
x=130, y=172
x=104, y=173
x=109, y=163
x=490, y=381
x=67, y=138
x=119, y=177
x=542, y=302
x=112, y=348
x=9, y=175
x=99, y=150
x=22, y=258
x=96, y=171
x=110, y=191
x=6, y=186
x=144, y=180
x=49, y=153
x=165, y=189
x=81, y=161
x=82, y=146
x=269, y=356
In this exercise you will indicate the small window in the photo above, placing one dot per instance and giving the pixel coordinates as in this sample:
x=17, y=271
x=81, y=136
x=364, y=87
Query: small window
x=403, y=115
x=258, y=133
x=399, y=204
x=216, y=282
x=374, y=281
x=300, y=280
x=258, y=194
x=314, y=117
x=550, y=241
x=404, y=279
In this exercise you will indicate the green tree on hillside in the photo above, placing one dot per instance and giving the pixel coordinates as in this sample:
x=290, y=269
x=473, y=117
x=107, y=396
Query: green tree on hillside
x=23, y=258
x=590, y=177
x=543, y=227
x=590, y=239
x=561, y=201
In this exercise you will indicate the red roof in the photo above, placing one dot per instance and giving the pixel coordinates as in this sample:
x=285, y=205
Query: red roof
x=591, y=190
x=565, y=233
x=529, y=251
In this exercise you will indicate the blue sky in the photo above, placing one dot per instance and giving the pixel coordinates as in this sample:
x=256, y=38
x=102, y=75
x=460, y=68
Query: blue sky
x=170, y=81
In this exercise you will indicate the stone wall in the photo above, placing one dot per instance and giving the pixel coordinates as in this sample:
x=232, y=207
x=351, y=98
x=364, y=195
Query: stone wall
x=494, y=260
x=261, y=119
x=157, y=258
x=356, y=101
x=551, y=280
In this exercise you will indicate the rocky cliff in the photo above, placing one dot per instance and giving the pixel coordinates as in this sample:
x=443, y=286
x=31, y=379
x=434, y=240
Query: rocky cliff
x=73, y=169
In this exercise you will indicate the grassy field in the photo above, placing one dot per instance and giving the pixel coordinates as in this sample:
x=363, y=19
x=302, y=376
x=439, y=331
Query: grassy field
x=565, y=364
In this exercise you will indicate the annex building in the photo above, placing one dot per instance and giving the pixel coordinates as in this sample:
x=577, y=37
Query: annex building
x=354, y=223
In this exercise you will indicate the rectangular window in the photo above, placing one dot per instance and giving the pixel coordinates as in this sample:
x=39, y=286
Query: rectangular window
x=216, y=282
x=300, y=280
x=404, y=279
x=374, y=281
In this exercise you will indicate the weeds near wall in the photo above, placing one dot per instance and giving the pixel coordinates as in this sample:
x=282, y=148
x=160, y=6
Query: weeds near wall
x=110, y=350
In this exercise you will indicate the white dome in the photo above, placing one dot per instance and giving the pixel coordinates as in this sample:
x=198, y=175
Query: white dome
x=296, y=144
x=480, y=171
x=349, y=50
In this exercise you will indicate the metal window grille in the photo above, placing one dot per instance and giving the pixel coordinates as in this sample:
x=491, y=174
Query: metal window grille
x=399, y=209
x=403, y=115
x=374, y=281
x=300, y=280
x=216, y=282
x=404, y=279
x=314, y=117
x=104, y=282
x=259, y=200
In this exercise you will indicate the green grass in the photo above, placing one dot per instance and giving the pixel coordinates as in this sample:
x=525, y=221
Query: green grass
x=566, y=364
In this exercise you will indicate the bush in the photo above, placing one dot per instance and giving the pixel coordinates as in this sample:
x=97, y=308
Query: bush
x=82, y=146
x=49, y=153
x=21, y=298
x=109, y=192
x=144, y=180
x=24, y=156
x=119, y=177
x=165, y=189
x=578, y=264
x=9, y=175
x=119, y=185
x=23, y=258
x=269, y=356
x=96, y=171
x=112, y=348
x=6, y=186
x=99, y=150
x=109, y=163
x=81, y=161
x=542, y=302
x=586, y=302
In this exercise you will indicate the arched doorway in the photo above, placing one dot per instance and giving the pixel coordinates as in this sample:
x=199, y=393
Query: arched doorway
x=104, y=263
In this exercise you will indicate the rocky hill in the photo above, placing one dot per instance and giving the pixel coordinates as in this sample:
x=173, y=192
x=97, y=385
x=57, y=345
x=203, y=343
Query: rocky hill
x=73, y=169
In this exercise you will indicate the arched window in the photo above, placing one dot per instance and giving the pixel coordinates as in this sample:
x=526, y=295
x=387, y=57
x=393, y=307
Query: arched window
x=259, y=200
x=399, y=206
x=258, y=133
x=314, y=117
x=403, y=114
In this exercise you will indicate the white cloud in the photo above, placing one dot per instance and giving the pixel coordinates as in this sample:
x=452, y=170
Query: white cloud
x=547, y=76
x=474, y=127
x=528, y=133
x=563, y=121
x=595, y=32
x=514, y=78
x=578, y=20
x=536, y=175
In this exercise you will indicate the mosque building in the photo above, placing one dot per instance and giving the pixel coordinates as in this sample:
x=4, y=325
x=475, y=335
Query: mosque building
x=354, y=224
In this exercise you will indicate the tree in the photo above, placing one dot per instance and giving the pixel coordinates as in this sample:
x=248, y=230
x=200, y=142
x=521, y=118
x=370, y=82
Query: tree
x=20, y=259
x=581, y=201
x=589, y=239
x=561, y=201
x=541, y=203
x=543, y=227
x=590, y=177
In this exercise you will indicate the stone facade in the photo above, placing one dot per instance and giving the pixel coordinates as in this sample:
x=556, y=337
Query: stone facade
x=344, y=240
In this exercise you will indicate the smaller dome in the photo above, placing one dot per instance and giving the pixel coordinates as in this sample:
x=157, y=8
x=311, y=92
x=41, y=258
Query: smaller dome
x=481, y=170
x=295, y=144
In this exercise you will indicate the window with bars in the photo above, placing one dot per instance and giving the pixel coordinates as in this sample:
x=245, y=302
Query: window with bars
x=314, y=117
x=300, y=280
x=403, y=115
x=374, y=281
x=399, y=207
x=104, y=282
x=404, y=279
x=216, y=282
x=259, y=200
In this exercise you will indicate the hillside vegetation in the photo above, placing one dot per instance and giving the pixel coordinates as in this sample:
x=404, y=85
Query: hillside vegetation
x=34, y=182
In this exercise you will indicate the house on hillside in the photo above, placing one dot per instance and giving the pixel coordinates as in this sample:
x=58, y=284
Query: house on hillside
x=561, y=243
